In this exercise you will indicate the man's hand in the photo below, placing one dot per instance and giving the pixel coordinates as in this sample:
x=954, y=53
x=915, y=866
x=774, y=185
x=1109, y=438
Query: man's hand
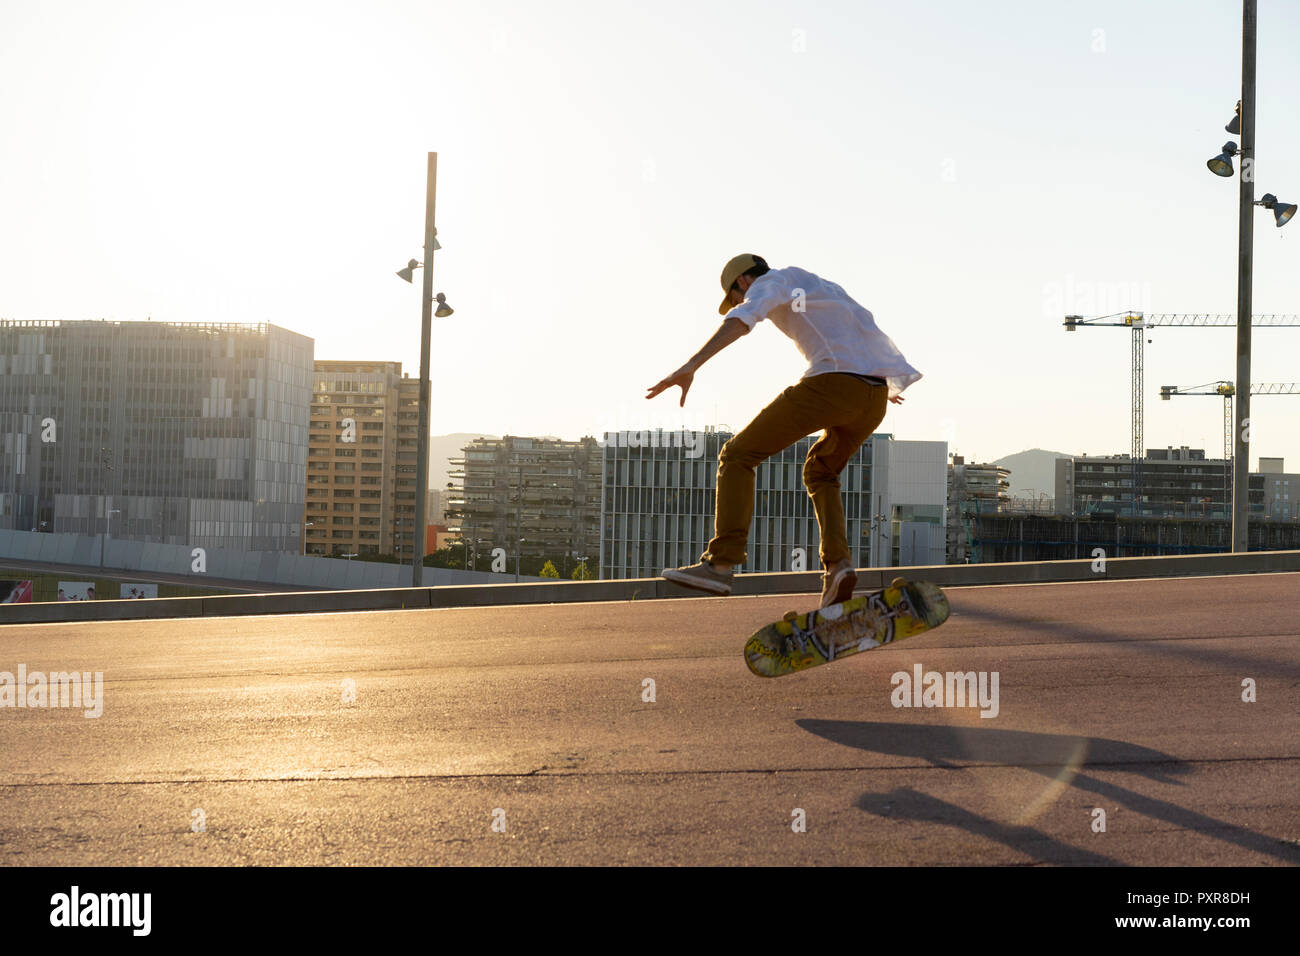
x=728, y=332
x=683, y=377
x=897, y=399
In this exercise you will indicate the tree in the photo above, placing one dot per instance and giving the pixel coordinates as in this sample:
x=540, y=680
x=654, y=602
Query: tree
x=446, y=558
x=582, y=572
x=548, y=571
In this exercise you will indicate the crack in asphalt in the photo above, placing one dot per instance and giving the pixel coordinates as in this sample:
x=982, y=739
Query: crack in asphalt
x=537, y=773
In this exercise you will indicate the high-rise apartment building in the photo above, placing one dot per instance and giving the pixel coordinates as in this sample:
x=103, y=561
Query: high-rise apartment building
x=361, y=467
x=183, y=433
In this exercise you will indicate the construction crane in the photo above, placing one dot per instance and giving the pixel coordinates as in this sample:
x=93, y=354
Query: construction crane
x=1139, y=322
x=1228, y=390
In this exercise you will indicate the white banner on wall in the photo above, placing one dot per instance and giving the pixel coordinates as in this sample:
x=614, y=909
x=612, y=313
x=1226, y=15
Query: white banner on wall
x=76, y=590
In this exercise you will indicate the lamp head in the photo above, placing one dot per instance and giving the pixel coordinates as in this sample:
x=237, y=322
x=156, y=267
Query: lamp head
x=1282, y=212
x=1234, y=124
x=1221, y=165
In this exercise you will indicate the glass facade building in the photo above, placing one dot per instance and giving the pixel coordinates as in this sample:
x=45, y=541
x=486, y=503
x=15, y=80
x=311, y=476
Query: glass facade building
x=183, y=433
x=658, y=492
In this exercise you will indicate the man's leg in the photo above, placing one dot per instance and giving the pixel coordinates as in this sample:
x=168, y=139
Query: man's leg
x=827, y=458
x=796, y=412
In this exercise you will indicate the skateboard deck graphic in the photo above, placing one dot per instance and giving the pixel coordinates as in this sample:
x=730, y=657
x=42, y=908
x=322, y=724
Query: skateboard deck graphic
x=800, y=641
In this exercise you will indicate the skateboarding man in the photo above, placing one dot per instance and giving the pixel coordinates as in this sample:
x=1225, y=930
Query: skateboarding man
x=853, y=370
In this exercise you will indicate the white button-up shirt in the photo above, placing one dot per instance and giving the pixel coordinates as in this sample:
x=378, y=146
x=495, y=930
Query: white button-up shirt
x=833, y=332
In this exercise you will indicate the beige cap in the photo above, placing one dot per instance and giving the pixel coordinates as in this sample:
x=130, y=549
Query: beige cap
x=733, y=271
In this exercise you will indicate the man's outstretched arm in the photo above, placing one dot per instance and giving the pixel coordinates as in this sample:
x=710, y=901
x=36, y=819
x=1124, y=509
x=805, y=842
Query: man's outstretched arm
x=728, y=332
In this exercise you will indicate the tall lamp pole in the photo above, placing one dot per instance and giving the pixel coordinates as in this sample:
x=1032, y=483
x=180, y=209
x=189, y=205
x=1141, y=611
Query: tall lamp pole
x=426, y=324
x=1245, y=247
x=427, y=312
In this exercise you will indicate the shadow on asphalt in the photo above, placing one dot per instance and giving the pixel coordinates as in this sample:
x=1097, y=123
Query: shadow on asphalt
x=1042, y=753
x=1050, y=755
x=908, y=804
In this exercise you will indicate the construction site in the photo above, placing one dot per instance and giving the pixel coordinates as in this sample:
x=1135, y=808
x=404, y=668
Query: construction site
x=528, y=500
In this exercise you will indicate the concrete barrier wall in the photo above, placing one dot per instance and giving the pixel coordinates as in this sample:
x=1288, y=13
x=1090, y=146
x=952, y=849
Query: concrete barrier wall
x=641, y=589
x=261, y=569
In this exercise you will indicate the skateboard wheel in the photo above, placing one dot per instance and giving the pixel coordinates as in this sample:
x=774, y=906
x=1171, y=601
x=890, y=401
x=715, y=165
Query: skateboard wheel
x=789, y=616
x=899, y=583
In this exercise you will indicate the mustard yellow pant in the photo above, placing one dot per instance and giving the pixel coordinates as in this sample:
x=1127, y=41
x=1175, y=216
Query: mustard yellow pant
x=846, y=409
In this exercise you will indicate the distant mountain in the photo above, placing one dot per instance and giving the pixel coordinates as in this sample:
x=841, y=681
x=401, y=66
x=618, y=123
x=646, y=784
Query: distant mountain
x=1033, y=469
x=443, y=447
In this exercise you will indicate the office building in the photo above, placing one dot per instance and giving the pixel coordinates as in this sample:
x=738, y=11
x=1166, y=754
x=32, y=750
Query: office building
x=1278, y=485
x=182, y=433
x=1176, y=483
x=659, y=491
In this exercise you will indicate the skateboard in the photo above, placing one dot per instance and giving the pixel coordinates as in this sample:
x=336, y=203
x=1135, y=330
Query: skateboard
x=800, y=641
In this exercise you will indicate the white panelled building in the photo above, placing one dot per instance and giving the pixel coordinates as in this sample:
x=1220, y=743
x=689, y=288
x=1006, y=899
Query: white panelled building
x=657, y=494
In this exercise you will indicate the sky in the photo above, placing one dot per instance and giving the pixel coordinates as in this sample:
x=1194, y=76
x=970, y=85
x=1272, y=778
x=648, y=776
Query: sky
x=969, y=172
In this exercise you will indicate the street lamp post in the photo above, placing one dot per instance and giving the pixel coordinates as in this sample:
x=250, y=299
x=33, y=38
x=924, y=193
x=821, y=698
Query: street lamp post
x=1245, y=248
x=426, y=321
x=1221, y=165
x=426, y=333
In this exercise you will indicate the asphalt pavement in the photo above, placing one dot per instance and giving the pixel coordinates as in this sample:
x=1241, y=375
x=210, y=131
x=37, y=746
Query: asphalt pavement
x=633, y=732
